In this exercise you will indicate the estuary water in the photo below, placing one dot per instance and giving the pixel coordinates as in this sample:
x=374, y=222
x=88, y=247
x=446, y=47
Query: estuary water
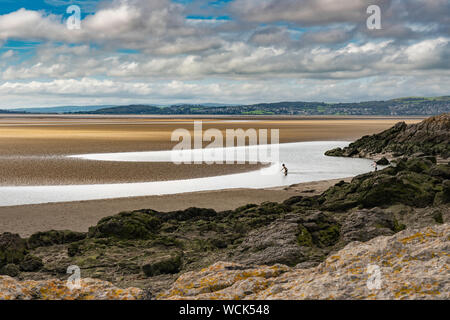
x=305, y=160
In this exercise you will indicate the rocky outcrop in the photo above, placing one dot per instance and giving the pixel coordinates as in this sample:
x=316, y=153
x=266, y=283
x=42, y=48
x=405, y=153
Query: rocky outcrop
x=276, y=243
x=363, y=225
x=90, y=289
x=291, y=239
x=412, y=264
x=430, y=137
x=12, y=249
x=150, y=250
x=414, y=182
x=52, y=237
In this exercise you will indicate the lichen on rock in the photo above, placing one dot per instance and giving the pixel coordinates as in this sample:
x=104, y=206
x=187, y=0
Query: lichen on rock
x=90, y=289
x=413, y=264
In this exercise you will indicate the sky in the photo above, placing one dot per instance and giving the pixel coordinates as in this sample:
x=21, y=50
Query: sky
x=221, y=51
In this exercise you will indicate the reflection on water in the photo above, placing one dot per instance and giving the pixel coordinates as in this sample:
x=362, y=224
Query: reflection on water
x=305, y=160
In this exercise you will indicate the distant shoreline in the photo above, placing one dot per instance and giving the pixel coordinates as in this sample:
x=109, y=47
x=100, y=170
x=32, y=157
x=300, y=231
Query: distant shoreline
x=117, y=134
x=210, y=117
x=33, y=149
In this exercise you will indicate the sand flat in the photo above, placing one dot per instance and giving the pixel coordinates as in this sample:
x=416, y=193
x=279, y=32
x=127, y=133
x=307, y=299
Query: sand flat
x=80, y=215
x=32, y=150
x=34, y=155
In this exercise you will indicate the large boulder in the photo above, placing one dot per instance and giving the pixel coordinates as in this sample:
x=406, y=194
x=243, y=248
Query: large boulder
x=409, y=182
x=90, y=289
x=127, y=225
x=10, y=269
x=443, y=197
x=337, y=152
x=275, y=243
x=49, y=238
x=430, y=138
x=165, y=265
x=290, y=240
x=364, y=225
x=411, y=264
x=31, y=263
x=441, y=171
x=12, y=248
x=322, y=228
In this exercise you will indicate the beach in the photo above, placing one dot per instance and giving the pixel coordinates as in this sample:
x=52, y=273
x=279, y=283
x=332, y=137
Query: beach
x=33, y=148
x=33, y=151
x=80, y=215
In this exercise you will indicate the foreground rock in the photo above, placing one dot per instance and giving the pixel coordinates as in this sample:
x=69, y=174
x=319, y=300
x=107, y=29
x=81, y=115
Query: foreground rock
x=412, y=264
x=150, y=250
x=430, y=137
x=91, y=289
x=414, y=182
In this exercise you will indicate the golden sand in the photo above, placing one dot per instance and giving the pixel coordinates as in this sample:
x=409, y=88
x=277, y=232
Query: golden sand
x=80, y=215
x=32, y=149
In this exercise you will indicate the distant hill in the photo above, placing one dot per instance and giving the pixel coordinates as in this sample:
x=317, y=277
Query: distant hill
x=9, y=111
x=402, y=107
x=132, y=109
x=419, y=106
x=64, y=109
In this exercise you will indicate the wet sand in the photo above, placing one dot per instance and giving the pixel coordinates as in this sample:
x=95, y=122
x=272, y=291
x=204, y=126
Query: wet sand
x=79, y=216
x=32, y=150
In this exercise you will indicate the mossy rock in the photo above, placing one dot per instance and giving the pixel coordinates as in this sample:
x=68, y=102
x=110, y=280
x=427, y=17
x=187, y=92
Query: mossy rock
x=443, y=197
x=337, y=152
x=440, y=171
x=391, y=190
x=219, y=243
x=11, y=270
x=397, y=226
x=304, y=238
x=246, y=207
x=270, y=208
x=428, y=138
x=437, y=216
x=49, y=238
x=12, y=248
x=127, y=225
x=293, y=200
x=328, y=236
x=418, y=165
x=74, y=249
x=170, y=265
x=318, y=229
x=307, y=202
x=340, y=205
x=31, y=263
x=167, y=241
x=190, y=214
x=409, y=182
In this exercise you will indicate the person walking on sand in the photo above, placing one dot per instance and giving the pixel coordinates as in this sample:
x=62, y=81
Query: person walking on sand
x=284, y=169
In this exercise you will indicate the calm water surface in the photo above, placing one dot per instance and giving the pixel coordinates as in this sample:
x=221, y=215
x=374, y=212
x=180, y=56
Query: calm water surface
x=305, y=160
